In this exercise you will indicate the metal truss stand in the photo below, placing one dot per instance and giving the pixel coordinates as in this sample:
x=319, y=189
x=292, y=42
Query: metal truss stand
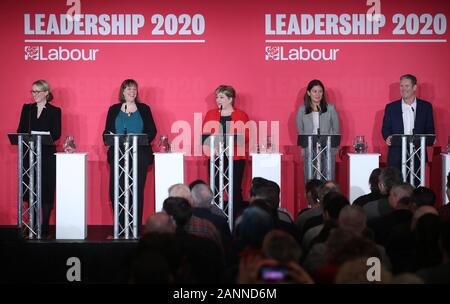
x=413, y=154
x=129, y=174
x=318, y=155
x=29, y=180
x=218, y=153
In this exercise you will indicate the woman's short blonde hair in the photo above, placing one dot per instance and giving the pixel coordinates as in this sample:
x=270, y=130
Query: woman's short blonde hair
x=44, y=86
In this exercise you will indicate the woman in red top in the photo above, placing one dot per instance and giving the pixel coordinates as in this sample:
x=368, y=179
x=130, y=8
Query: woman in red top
x=228, y=119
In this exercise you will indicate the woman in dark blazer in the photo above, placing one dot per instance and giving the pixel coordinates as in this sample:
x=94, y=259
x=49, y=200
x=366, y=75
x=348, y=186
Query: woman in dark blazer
x=42, y=116
x=131, y=116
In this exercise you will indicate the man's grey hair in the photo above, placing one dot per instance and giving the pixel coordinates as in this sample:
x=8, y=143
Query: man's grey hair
x=402, y=189
x=353, y=219
x=180, y=190
x=202, y=195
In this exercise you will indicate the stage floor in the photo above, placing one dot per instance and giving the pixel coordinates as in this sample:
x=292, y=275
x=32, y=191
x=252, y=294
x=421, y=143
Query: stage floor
x=102, y=259
x=95, y=233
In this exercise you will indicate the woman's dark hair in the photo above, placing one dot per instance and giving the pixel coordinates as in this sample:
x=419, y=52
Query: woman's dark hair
x=373, y=180
x=307, y=98
x=125, y=84
x=313, y=186
x=180, y=209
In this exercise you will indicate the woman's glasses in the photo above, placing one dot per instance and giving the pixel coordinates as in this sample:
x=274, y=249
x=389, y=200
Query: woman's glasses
x=36, y=92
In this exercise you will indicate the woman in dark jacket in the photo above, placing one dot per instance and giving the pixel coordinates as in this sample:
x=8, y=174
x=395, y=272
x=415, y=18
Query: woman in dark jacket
x=131, y=116
x=42, y=116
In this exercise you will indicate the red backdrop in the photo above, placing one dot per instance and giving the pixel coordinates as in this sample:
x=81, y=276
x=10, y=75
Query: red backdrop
x=178, y=78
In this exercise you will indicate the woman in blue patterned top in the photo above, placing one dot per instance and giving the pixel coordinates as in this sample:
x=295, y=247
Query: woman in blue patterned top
x=126, y=117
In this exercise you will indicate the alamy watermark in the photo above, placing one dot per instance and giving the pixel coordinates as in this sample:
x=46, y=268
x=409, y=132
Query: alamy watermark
x=73, y=274
x=253, y=136
x=373, y=274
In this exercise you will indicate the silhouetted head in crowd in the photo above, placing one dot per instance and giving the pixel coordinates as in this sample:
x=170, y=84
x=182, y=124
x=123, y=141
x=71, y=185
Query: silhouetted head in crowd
x=428, y=250
x=388, y=177
x=180, y=209
x=312, y=191
x=354, y=271
x=181, y=190
x=165, y=244
x=150, y=267
x=332, y=204
x=256, y=182
x=374, y=180
x=262, y=188
x=268, y=207
x=342, y=246
x=196, y=182
x=160, y=222
x=421, y=211
x=406, y=202
x=202, y=196
x=448, y=185
x=352, y=219
x=399, y=191
x=445, y=242
x=424, y=196
x=328, y=186
x=281, y=246
x=254, y=226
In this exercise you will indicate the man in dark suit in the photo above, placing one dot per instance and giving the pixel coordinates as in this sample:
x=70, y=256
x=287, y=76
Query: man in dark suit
x=409, y=115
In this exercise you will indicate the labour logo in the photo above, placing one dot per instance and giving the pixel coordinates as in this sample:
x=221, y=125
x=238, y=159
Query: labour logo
x=272, y=53
x=31, y=53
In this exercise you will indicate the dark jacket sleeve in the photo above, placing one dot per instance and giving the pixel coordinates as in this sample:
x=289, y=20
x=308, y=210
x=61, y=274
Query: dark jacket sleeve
x=150, y=126
x=55, y=128
x=110, y=128
x=386, y=129
x=429, y=128
x=109, y=125
x=24, y=120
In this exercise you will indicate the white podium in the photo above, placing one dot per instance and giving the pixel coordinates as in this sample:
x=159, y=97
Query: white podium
x=71, y=195
x=360, y=168
x=445, y=170
x=169, y=170
x=267, y=165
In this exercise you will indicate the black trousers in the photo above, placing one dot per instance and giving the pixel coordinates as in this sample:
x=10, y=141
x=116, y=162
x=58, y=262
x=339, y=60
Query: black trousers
x=238, y=174
x=142, y=176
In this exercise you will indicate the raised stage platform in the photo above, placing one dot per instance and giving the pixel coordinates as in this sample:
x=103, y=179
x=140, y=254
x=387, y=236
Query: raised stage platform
x=102, y=259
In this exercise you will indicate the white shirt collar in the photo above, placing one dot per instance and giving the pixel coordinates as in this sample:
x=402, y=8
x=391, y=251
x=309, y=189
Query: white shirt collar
x=413, y=105
x=44, y=106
